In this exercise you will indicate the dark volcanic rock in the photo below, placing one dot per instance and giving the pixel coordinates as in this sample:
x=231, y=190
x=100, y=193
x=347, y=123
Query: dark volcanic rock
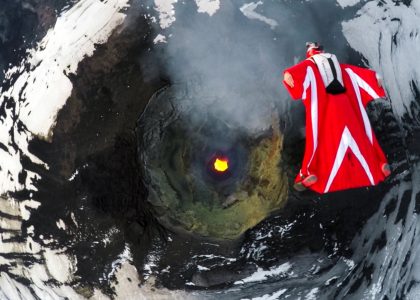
x=94, y=140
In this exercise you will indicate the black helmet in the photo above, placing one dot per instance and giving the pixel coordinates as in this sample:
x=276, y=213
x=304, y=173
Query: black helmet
x=314, y=45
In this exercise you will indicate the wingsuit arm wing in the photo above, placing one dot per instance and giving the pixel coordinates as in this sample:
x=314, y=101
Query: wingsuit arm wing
x=298, y=73
x=368, y=82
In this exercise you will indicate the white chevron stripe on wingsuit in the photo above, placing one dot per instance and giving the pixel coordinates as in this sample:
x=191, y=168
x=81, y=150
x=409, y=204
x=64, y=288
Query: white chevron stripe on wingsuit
x=358, y=83
x=347, y=141
x=310, y=80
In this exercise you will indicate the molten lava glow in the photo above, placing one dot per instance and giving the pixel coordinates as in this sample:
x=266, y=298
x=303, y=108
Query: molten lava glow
x=221, y=164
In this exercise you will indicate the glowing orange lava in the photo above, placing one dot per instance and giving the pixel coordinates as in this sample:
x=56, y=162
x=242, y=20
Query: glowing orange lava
x=221, y=164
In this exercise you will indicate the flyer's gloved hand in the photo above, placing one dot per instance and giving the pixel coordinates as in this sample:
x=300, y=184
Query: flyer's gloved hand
x=379, y=78
x=289, y=79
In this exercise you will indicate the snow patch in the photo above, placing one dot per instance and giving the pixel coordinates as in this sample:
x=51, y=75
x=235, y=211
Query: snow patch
x=312, y=294
x=395, y=32
x=25, y=206
x=273, y=296
x=347, y=3
x=261, y=274
x=166, y=11
x=249, y=11
x=73, y=176
x=201, y=268
x=350, y=263
x=159, y=39
x=60, y=224
x=125, y=256
x=59, y=265
x=208, y=6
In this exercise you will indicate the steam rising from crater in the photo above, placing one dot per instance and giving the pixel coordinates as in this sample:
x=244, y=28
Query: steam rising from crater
x=234, y=59
x=232, y=65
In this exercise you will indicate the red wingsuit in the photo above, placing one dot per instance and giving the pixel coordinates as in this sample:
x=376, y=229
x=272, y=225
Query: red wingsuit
x=341, y=148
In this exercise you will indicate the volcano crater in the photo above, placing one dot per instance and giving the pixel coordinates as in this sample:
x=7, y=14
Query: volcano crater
x=179, y=140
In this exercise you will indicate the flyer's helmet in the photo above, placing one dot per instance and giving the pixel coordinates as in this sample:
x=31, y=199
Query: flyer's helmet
x=313, y=48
